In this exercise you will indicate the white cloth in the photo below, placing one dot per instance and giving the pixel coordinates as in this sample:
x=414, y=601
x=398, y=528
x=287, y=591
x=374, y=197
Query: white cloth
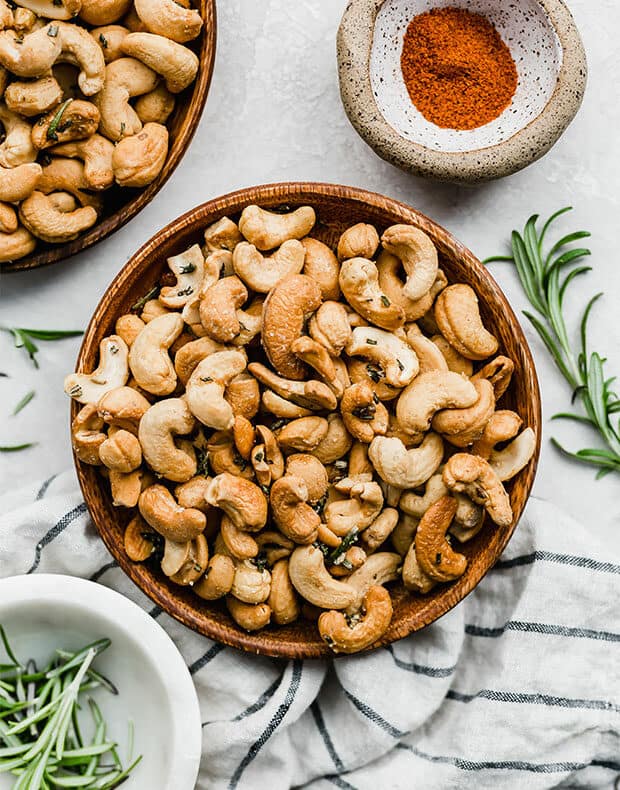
x=517, y=687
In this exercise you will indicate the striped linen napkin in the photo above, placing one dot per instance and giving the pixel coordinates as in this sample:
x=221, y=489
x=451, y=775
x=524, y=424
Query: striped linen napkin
x=517, y=687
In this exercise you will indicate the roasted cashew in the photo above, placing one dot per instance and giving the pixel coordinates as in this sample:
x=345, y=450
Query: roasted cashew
x=169, y=18
x=112, y=372
x=218, y=579
x=458, y=317
x=87, y=435
x=336, y=443
x=121, y=451
x=223, y=456
x=380, y=530
x=188, y=267
x=18, y=183
x=428, y=354
x=192, y=493
x=462, y=427
x=96, y=153
x=73, y=120
x=135, y=540
x=499, y=372
x=284, y=315
x=158, y=427
x=149, y=360
x=16, y=148
x=512, y=459
x=414, y=577
x=359, y=282
x=243, y=394
x=219, y=306
x=362, y=371
x=311, y=471
x=321, y=265
x=273, y=454
x=388, y=268
x=162, y=512
x=250, y=584
x=364, y=504
x=139, y=159
x=156, y=106
x=363, y=414
x=404, y=468
x=502, y=426
x=195, y=565
x=241, y=545
x=250, y=617
x=433, y=552
x=55, y=218
x=316, y=356
x=311, y=394
x=67, y=175
x=52, y=9
x=282, y=600
x=177, y=64
x=302, y=435
x=222, y=235
x=428, y=394
x=342, y=636
x=404, y=533
x=267, y=230
x=473, y=476
x=244, y=436
x=206, y=386
x=294, y=517
x=379, y=569
x=418, y=256
x=393, y=355
x=125, y=79
x=8, y=219
x=330, y=327
x=16, y=245
x=358, y=241
x=242, y=501
x=261, y=273
x=191, y=354
x=313, y=582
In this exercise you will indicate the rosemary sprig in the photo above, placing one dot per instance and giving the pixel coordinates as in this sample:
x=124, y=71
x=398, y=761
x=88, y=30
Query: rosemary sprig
x=24, y=338
x=15, y=448
x=545, y=276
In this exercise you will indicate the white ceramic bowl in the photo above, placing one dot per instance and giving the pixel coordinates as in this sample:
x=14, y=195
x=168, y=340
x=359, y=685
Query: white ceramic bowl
x=44, y=611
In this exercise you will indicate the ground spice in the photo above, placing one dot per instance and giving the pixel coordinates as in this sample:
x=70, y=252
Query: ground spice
x=458, y=71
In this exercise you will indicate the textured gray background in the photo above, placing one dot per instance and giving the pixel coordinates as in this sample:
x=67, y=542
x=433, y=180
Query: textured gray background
x=274, y=114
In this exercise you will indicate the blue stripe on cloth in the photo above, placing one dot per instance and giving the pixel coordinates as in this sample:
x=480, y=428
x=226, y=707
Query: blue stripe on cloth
x=542, y=628
x=155, y=612
x=43, y=490
x=506, y=765
x=327, y=740
x=420, y=669
x=273, y=725
x=563, y=559
x=533, y=699
x=104, y=569
x=373, y=716
x=340, y=782
x=211, y=653
x=54, y=532
x=256, y=706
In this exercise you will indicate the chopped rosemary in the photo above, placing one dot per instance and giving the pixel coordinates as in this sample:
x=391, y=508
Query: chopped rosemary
x=55, y=122
x=349, y=539
x=371, y=342
x=187, y=268
x=152, y=294
x=539, y=273
x=23, y=338
x=24, y=402
x=386, y=302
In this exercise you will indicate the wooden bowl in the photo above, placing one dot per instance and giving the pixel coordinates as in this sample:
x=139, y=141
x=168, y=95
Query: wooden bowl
x=337, y=208
x=122, y=204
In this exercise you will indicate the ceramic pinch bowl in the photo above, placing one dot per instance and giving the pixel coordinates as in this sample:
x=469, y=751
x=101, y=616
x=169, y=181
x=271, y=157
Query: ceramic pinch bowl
x=552, y=72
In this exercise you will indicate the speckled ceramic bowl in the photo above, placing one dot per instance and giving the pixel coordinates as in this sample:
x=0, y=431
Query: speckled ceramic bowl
x=551, y=64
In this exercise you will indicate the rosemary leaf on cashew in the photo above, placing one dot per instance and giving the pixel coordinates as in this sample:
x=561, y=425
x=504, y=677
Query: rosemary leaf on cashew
x=540, y=272
x=24, y=338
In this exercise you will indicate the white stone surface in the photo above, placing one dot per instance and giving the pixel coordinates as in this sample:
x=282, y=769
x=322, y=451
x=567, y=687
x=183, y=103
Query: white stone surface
x=274, y=114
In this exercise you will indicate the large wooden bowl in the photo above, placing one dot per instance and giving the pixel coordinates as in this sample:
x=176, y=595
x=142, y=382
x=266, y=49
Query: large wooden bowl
x=121, y=205
x=337, y=208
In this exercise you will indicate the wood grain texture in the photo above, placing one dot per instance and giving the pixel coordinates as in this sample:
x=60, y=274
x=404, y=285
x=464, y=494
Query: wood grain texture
x=121, y=205
x=337, y=207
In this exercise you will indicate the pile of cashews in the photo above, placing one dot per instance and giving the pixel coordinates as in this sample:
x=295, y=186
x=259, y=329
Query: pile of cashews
x=69, y=70
x=293, y=429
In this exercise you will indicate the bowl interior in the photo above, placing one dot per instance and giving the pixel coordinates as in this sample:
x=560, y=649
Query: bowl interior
x=122, y=204
x=337, y=208
x=44, y=612
x=525, y=29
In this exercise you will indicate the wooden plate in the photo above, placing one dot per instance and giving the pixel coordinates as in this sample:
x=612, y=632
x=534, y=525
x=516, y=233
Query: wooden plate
x=337, y=208
x=121, y=205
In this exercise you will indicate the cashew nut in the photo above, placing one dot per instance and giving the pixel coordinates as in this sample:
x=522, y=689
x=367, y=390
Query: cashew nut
x=261, y=273
x=55, y=217
x=395, y=357
x=110, y=38
x=473, y=476
x=358, y=241
x=137, y=545
x=315, y=355
x=177, y=64
x=139, y=159
x=512, y=459
x=404, y=533
x=87, y=435
x=96, y=153
x=156, y=106
x=404, y=468
x=414, y=577
x=123, y=407
x=418, y=256
x=336, y=443
x=321, y=265
x=158, y=427
x=433, y=552
x=67, y=175
x=379, y=569
x=380, y=530
x=282, y=596
x=499, y=372
x=251, y=617
x=295, y=518
x=311, y=394
x=149, y=361
x=218, y=308
x=222, y=235
x=428, y=354
x=267, y=230
x=17, y=147
x=242, y=501
x=388, y=268
x=313, y=582
x=359, y=511
x=162, y=512
x=125, y=79
x=429, y=393
x=16, y=184
x=303, y=435
x=243, y=394
x=121, y=451
x=250, y=584
x=458, y=317
x=112, y=372
x=217, y=580
x=363, y=414
x=359, y=282
x=205, y=389
x=330, y=327
x=168, y=18
x=311, y=471
x=455, y=361
x=462, y=427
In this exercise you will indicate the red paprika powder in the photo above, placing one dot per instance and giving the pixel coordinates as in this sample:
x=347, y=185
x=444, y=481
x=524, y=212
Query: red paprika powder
x=458, y=71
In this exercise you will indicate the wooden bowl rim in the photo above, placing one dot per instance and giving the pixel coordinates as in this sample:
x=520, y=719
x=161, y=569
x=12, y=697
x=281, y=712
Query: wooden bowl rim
x=195, y=106
x=233, y=202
